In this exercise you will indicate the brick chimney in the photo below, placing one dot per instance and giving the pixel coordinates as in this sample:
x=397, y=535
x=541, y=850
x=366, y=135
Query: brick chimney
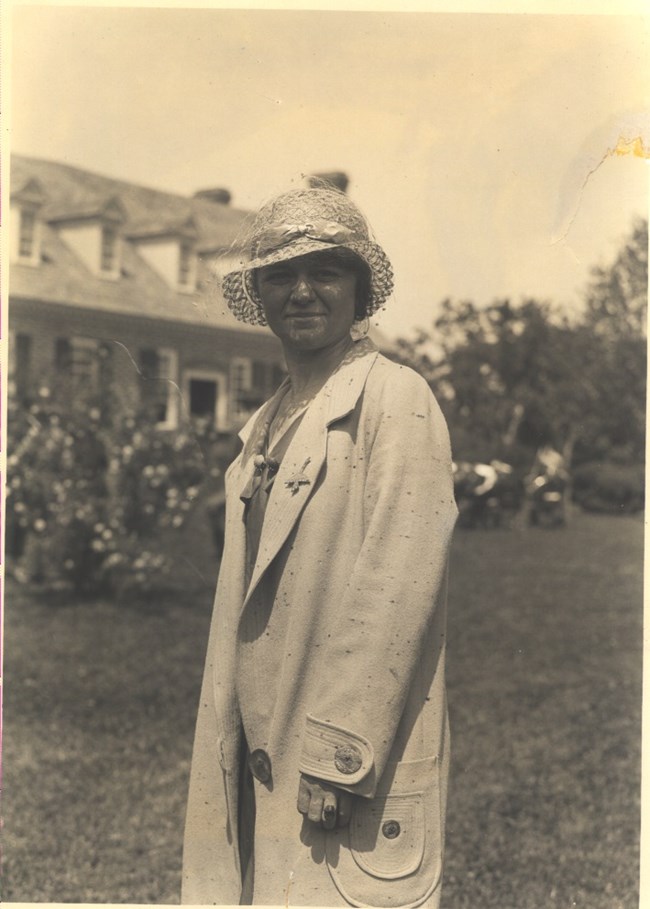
x=337, y=178
x=218, y=194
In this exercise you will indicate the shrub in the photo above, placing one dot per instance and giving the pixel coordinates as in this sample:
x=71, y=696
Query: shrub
x=89, y=497
x=607, y=487
x=56, y=491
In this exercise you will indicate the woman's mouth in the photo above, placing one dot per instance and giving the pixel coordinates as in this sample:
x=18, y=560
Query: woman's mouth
x=304, y=315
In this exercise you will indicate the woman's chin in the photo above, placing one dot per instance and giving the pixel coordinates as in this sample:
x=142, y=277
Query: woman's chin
x=308, y=335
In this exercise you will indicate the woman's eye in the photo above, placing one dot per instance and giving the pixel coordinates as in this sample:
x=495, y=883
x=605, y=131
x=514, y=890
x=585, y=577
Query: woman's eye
x=325, y=274
x=276, y=277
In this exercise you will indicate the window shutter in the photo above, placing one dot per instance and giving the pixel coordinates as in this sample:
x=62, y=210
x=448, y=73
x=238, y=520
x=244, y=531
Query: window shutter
x=63, y=355
x=149, y=362
x=278, y=374
x=157, y=376
x=260, y=376
x=20, y=356
x=105, y=354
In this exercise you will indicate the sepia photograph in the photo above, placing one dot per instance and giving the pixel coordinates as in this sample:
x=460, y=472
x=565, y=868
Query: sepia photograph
x=324, y=399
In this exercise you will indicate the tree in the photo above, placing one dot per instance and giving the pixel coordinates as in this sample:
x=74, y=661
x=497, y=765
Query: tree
x=616, y=313
x=513, y=377
x=617, y=296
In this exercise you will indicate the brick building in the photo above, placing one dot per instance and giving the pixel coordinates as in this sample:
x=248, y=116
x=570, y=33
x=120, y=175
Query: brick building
x=112, y=282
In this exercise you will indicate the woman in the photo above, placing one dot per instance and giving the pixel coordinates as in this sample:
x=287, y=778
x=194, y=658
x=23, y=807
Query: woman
x=321, y=754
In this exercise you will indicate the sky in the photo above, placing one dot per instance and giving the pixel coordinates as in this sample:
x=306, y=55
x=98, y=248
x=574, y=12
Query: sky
x=478, y=145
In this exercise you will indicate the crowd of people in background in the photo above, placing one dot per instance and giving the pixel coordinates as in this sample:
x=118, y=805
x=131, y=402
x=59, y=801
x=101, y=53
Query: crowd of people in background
x=495, y=494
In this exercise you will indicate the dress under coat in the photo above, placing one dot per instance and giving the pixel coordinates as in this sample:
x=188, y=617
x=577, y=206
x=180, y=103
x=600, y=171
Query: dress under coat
x=332, y=661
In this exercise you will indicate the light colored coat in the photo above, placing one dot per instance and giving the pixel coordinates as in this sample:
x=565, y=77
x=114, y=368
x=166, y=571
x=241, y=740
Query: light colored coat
x=346, y=661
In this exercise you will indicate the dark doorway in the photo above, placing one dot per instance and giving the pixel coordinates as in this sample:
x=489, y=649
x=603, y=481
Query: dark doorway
x=203, y=397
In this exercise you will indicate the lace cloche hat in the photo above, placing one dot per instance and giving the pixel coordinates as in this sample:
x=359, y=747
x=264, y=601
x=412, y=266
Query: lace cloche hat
x=293, y=224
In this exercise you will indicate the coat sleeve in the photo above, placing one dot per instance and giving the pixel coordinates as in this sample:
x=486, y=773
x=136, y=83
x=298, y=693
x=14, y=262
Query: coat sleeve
x=396, y=586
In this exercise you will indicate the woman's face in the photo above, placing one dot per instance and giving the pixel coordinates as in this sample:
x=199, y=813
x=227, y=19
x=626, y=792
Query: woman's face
x=309, y=301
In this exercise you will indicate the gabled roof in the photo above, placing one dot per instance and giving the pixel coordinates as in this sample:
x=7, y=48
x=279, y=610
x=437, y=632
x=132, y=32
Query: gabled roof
x=73, y=189
x=177, y=227
x=110, y=209
x=61, y=277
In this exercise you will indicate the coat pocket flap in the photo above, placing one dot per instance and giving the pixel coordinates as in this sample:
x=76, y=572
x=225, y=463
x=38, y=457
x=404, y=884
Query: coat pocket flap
x=387, y=835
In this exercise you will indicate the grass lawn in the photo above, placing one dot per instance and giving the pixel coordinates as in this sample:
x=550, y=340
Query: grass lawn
x=545, y=638
x=545, y=666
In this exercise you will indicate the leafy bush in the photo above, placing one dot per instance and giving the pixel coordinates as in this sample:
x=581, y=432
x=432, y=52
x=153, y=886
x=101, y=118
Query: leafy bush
x=56, y=491
x=607, y=487
x=88, y=498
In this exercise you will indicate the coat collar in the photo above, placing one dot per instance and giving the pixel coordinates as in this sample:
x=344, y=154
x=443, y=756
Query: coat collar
x=298, y=473
x=342, y=391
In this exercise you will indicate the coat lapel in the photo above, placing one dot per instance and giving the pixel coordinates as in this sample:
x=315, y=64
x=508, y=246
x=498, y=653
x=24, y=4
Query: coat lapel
x=302, y=463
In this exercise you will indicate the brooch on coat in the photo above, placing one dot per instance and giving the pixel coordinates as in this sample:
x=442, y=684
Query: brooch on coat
x=298, y=479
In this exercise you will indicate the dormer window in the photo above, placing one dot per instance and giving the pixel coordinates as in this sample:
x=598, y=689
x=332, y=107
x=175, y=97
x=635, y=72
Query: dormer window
x=27, y=234
x=93, y=232
x=109, y=249
x=26, y=225
x=169, y=247
x=185, y=263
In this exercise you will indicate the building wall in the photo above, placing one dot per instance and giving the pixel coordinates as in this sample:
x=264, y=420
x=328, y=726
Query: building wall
x=198, y=349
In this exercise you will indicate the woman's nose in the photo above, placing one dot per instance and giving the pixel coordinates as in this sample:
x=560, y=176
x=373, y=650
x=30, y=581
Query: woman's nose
x=302, y=291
